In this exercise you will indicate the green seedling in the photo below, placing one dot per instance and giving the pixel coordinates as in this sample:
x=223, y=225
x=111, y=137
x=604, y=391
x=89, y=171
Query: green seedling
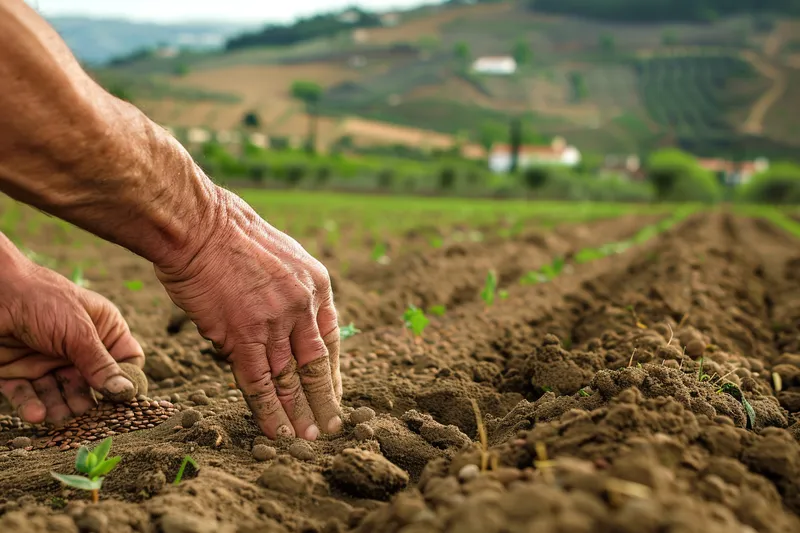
x=489, y=289
x=502, y=294
x=95, y=465
x=701, y=376
x=134, y=285
x=531, y=278
x=350, y=330
x=584, y=393
x=437, y=310
x=415, y=320
x=551, y=271
x=436, y=242
x=186, y=460
x=77, y=277
x=736, y=392
x=379, y=251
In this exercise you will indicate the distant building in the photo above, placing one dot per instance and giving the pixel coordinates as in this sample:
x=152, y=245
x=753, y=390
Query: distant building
x=734, y=172
x=390, y=19
x=495, y=65
x=350, y=16
x=558, y=153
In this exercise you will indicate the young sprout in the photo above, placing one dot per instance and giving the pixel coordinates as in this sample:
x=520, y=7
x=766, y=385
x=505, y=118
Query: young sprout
x=502, y=294
x=94, y=464
x=436, y=242
x=379, y=252
x=350, y=330
x=77, y=277
x=552, y=270
x=415, y=320
x=531, y=278
x=701, y=376
x=736, y=392
x=134, y=285
x=186, y=460
x=489, y=289
x=584, y=393
x=437, y=310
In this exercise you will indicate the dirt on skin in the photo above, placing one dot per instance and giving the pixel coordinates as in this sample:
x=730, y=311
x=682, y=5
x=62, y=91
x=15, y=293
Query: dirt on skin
x=598, y=413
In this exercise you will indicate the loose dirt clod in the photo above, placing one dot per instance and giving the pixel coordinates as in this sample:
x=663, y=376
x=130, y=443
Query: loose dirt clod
x=363, y=432
x=302, y=450
x=137, y=377
x=190, y=417
x=362, y=414
x=262, y=452
x=367, y=474
x=20, y=442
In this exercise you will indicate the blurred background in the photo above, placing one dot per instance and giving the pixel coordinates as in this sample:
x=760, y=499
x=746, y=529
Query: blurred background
x=601, y=100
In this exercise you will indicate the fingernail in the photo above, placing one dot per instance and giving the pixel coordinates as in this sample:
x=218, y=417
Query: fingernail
x=285, y=431
x=334, y=425
x=312, y=432
x=117, y=385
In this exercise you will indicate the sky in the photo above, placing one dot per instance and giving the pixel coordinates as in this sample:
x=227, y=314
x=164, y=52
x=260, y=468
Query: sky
x=248, y=11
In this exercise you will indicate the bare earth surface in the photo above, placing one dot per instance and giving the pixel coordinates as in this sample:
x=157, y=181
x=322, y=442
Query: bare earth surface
x=598, y=414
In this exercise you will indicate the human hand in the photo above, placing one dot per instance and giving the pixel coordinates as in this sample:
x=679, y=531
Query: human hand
x=267, y=306
x=56, y=341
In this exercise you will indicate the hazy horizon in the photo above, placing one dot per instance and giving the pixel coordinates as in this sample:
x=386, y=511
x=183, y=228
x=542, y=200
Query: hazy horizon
x=189, y=11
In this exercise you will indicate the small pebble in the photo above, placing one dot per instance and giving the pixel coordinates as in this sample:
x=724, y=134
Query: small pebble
x=262, y=452
x=199, y=398
x=21, y=442
x=302, y=450
x=363, y=432
x=468, y=472
x=361, y=415
x=190, y=417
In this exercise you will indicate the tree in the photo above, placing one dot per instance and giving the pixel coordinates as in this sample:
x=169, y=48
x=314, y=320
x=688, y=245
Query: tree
x=310, y=94
x=522, y=52
x=251, y=120
x=491, y=133
x=780, y=184
x=462, y=53
x=607, y=43
x=181, y=70
x=677, y=177
x=515, y=139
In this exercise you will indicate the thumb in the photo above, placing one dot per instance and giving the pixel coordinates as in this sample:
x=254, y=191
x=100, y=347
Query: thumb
x=89, y=355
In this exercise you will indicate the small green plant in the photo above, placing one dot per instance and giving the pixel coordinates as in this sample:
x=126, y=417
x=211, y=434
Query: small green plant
x=531, y=278
x=350, y=330
x=701, y=376
x=584, y=393
x=94, y=464
x=436, y=242
x=551, y=271
x=415, y=320
x=736, y=392
x=379, y=251
x=502, y=294
x=134, y=285
x=77, y=277
x=489, y=289
x=186, y=460
x=437, y=310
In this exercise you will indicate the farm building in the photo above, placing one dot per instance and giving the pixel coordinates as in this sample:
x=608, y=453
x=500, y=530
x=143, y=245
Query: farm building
x=497, y=66
x=733, y=172
x=558, y=153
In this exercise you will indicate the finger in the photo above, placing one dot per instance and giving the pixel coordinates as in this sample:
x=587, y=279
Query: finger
x=90, y=356
x=75, y=390
x=328, y=323
x=315, y=373
x=49, y=393
x=112, y=329
x=253, y=376
x=24, y=400
x=294, y=401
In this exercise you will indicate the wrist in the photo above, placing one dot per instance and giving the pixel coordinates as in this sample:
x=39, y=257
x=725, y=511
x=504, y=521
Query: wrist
x=14, y=266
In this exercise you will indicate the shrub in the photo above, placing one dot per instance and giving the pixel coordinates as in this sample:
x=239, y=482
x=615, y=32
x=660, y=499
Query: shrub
x=778, y=185
x=677, y=177
x=295, y=173
x=535, y=177
x=447, y=178
x=386, y=178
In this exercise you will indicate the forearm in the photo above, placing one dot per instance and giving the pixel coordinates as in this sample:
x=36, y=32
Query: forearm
x=12, y=260
x=73, y=150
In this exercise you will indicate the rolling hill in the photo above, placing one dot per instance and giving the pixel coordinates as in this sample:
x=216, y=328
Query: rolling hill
x=727, y=87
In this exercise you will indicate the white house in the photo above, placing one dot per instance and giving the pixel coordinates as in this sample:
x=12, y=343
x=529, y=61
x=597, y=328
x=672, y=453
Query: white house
x=558, y=153
x=495, y=65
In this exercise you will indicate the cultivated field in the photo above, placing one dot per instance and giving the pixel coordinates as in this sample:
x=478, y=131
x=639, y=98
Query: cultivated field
x=633, y=370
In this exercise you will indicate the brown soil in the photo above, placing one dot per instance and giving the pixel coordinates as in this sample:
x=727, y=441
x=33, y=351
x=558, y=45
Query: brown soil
x=588, y=387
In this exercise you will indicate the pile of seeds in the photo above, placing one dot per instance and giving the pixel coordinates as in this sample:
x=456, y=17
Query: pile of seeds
x=8, y=422
x=107, y=420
